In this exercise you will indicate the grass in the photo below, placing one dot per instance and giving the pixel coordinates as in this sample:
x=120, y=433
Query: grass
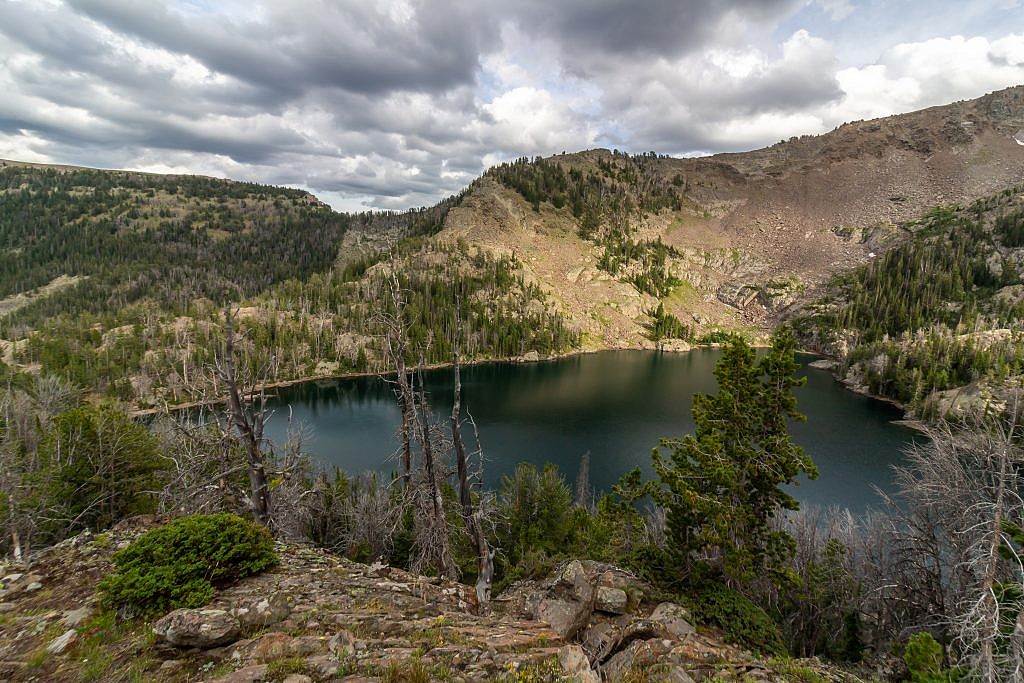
x=682, y=297
x=282, y=668
x=795, y=672
x=542, y=672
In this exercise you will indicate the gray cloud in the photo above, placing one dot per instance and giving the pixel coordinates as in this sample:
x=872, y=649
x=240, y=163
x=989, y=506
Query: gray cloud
x=400, y=102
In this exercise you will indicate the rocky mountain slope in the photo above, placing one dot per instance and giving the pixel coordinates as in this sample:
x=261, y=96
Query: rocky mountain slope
x=118, y=280
x=753, y=230
x=318, y=617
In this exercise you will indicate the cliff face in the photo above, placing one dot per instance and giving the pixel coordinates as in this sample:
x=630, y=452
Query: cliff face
x=755, y=230
x=319, y=617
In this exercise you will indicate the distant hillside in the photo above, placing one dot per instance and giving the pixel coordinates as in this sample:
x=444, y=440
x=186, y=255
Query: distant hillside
x=117, y=280
x=745, y=235
x=133, y=236
x=936, y=322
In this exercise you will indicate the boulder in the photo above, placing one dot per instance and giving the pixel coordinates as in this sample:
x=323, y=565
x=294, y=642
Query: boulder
x=272, y=647
x=575, y=664
x=674, y=618
x=263, y=612
x=611, y=600
x=565, y=617
x=566, y=603
x=200, y=628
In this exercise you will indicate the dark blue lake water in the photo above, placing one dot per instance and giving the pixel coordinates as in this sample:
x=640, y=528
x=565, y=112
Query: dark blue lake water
x=615, y=405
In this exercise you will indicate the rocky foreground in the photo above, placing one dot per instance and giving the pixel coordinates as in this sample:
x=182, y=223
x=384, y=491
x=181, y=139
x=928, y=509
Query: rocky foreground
x=319, y=617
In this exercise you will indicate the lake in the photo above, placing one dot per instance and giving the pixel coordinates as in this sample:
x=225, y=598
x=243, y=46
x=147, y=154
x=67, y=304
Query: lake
x=615, y=405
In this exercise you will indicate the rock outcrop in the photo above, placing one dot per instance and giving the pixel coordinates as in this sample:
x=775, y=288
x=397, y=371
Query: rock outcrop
x=318, y=617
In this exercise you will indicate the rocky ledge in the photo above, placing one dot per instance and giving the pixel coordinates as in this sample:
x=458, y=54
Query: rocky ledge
x=319, y=617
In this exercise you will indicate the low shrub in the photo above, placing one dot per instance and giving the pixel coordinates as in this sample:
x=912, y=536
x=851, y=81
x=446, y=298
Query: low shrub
x=180, y=563
x=743, y=622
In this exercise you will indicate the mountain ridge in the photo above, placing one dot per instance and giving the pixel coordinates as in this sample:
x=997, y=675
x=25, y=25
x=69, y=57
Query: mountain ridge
x=603, y=250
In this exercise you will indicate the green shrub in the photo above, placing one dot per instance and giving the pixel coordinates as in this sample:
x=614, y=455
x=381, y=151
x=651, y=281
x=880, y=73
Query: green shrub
x=923, y=657
x=178, y=564
x=743, y=622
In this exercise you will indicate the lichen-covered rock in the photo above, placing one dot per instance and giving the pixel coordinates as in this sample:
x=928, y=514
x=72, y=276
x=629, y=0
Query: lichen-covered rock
x=611, y=600
x=201, y=628
x=565, y=617
x=674, y=618
x=264, y=611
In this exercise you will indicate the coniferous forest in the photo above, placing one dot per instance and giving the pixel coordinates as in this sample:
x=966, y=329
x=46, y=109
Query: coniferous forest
x=151, y=261
x=941, y=310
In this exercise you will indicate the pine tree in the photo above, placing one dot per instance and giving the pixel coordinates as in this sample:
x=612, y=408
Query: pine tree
x=722, y=485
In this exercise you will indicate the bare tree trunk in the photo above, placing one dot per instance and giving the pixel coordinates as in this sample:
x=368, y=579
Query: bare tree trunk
x=485, y=558
x=397, y=345
x=440, y=543
x=15, y=536
x=431, y=525
x=248, y=427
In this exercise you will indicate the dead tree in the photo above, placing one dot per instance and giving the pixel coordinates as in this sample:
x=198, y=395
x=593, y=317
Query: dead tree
x=471, y=517
x=955, y=559
x=992, y=459
x=248, y=425
x=396, y=342
x=422, y=486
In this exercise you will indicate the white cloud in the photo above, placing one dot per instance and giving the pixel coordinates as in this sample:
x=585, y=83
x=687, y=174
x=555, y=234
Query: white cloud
x=912, y=76
x=399, y=102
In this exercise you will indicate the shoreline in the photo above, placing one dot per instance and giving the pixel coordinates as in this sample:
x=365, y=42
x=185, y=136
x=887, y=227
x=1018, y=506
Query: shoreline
x=285, y=383
x=824, y=363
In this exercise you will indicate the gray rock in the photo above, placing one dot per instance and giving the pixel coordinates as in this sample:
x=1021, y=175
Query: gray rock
x=611, y=600
x=674, y=618
x=62, y=642
x=342, y=644
x=298, y=678
x=677, y=674
x=575, y=664
x=201, y=628
x=75, y=617
x=573, y=578
x=565, y=617
x=564, y=602
x=33, y=587
x=264, y=612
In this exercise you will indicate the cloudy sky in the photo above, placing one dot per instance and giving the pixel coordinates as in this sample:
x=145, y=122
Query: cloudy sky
x=396, y=103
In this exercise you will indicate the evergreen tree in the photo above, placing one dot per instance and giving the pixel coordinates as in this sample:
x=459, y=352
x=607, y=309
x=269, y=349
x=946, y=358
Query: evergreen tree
x=722, y=485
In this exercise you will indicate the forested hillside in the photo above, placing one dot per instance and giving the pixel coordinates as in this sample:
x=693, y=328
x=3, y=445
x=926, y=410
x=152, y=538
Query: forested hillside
x=117, y=282
x=940, y=312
